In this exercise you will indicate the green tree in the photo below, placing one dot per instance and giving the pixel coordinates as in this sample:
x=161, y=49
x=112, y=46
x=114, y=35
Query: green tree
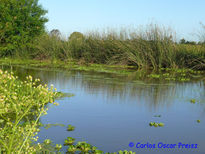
x=182, y=41
x=21, y=21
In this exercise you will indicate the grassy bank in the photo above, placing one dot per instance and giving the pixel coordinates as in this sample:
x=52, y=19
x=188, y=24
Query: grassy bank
x=69, y=65
x=151, y=48
x=129, y=72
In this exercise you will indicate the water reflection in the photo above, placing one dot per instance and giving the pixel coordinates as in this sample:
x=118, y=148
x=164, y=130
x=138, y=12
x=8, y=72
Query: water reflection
x=124, y=89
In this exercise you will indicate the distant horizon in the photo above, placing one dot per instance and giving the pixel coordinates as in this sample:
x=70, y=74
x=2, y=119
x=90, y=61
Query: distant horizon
x=183, y=17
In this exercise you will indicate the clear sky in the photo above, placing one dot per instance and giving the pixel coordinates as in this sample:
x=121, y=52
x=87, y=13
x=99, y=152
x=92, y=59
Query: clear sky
x=184, y=16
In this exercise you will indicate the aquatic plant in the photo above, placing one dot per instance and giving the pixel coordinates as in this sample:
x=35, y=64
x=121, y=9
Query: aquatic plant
x=47, y=141
x=154, y=76
x=126, y=152
x=83, y=146
x=151, y=123
x=46, y=126
x=72, y=149
x=58, y=147
x=98, y=152
x=160, y=124
x=69, y=141
x=193, y=101
x=157, y=116
x=198, y=121
x=156, y=124
x=70, y=128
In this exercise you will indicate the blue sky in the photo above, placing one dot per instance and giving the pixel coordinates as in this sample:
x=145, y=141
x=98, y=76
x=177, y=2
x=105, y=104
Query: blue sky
x=183, y=16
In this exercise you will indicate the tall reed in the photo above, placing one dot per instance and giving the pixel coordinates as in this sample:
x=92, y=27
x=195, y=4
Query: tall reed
x=152, y=47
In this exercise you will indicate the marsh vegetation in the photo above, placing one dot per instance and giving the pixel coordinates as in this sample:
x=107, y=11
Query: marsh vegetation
x=139, y=74
x=152, y=47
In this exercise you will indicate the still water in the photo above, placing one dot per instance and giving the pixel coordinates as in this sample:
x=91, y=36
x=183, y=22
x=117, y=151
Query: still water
x=111, y=111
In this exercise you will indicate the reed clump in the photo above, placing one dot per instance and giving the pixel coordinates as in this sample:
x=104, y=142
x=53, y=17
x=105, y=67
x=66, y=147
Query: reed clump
x=153, y=47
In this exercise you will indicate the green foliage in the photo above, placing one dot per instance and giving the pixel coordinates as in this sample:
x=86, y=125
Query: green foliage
x=76, y=44
x=193, y=101
x=69, y=141
x=58, y=147
x=50, y=47
x=70, y=128
x=21, y=106
x=198, y=121
x=183, y=41
x=151, y=48
x=22, y=34
x=21, y=22
x=83, y=147
x=190, y=56
x=47, y=141
x=155, y=124
x=47, y=126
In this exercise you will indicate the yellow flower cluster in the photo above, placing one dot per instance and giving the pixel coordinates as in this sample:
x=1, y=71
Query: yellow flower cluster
x=21, y=106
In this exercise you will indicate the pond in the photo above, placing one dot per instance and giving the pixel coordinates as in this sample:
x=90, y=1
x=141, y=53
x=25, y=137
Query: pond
x=110, y=112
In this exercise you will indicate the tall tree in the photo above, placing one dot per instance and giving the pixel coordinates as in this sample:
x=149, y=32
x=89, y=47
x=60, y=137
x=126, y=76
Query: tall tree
x=20, y=22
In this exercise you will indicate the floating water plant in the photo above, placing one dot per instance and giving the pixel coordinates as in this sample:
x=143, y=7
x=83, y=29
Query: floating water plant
x=70, y=128
x=58, y=147
x=84, y=147
x=69, y=141
x=126, y=152
x=47, y=141
x=151, y=123
x=193, y=101
x=46, y=126
x=154, y=76
x=161, y=124
x=184, y=79
x=157, y=115
x=72, y=149
x=98, y=151
x=156, y=124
